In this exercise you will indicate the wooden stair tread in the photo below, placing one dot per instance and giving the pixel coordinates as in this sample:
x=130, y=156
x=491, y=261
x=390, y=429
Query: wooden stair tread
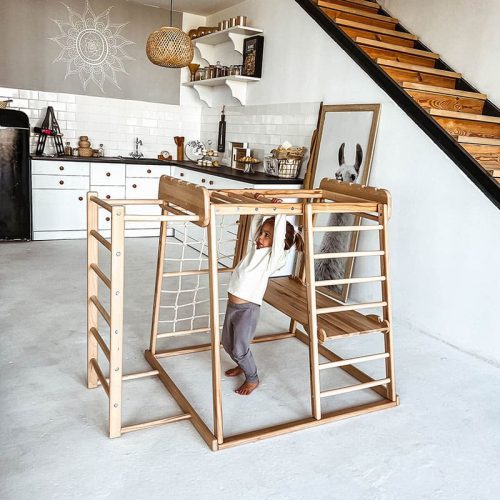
x=375, y=29
x=289, y=296
x=444, y=90
x=371, y=5
x=420, y=69
x=478, y=140
x=398, y=48
x=362, y=13
x=464, y=116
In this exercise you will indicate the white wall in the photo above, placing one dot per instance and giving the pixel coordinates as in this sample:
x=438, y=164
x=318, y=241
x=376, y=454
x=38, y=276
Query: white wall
x=445, y=234
x=115, y=123
x=465, y=32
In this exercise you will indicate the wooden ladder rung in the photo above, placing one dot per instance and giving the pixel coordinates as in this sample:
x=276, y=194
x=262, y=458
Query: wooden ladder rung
x=101, y=275
x=353, y=361
x=351, y=307
x=101, y=309
x=339, y=255
x=337, y=229
x=133, y=376
x=183, y=332
x=356, y=387
x=370, y=279
x=154, y=423
x=100, y=341
x=194, y=272
x=103, y=241
x=100, y=375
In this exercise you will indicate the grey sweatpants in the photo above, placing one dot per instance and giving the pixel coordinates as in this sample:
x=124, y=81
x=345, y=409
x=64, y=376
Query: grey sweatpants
x=238, y=331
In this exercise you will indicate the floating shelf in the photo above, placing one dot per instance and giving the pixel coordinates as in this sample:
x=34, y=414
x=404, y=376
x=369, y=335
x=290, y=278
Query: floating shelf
x=237, y=85
x=236, y=34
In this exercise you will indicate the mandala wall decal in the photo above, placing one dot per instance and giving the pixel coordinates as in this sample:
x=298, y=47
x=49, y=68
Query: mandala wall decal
x=92, y=46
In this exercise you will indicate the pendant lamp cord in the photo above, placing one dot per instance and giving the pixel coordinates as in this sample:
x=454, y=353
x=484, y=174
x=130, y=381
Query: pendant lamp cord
x=171, y=2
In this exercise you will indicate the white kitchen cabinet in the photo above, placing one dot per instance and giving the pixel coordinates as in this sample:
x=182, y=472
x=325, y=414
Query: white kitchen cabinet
x=142, y=188
x=112, y=174
x=59, y=197
x=59, y=210
x=107, y=193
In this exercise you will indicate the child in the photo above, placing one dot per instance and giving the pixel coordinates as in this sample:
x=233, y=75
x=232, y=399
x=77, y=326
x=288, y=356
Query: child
x=272, y=238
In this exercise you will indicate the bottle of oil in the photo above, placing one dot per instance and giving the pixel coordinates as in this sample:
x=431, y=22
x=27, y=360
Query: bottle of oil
x=221, y=139
x=68, y=150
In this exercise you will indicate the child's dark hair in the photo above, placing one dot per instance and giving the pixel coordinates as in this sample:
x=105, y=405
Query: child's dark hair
x=291, y=236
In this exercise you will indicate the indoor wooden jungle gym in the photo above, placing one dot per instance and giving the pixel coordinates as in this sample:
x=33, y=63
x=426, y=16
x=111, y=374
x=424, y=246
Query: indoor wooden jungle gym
x=204, y=248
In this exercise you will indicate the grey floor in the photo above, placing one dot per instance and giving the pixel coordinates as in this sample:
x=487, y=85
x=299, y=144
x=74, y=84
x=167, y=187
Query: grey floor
x=442, y=442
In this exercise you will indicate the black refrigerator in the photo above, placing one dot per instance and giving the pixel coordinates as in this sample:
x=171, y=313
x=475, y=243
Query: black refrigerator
x=15, y=192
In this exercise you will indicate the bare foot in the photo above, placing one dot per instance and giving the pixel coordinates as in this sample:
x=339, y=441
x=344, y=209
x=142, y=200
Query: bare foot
x=247, y=388
x=233, y=372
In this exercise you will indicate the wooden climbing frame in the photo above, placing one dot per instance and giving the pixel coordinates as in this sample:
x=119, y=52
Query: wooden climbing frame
x=322, y=317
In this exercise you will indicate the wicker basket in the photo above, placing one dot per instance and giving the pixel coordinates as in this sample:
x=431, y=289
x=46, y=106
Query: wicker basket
x=286, y=168
x=5, y=103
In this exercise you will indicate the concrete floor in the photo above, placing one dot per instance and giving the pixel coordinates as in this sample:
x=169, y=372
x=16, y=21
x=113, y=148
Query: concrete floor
x=443, y=441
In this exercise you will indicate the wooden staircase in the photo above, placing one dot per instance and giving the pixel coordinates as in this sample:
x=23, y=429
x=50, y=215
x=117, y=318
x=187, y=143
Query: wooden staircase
x=419, y=72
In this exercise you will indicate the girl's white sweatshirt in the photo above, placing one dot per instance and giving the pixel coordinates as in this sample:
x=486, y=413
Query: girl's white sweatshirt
x=249, y=279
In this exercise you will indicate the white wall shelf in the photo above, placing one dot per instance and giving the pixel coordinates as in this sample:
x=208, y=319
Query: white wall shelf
x=237, y=85
x=236, y=34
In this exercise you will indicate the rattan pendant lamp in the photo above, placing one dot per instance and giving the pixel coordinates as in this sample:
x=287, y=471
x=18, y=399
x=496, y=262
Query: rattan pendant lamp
x=169, y=47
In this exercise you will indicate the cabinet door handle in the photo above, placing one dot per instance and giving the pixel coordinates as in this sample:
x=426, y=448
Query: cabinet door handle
x=108, y=219
x=80, y=198
x=61, y=182
x=134, y=185
x=203, y=180
x=182, y=174
x=108, y=174
x=148, y=170
x=61, y=168
x=108, y=196
x=210, y=182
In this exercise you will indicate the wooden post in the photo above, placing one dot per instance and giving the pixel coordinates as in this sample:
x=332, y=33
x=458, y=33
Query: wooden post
x=386, y=297
x=116, y=325
x=159, y=282
x=214, y=326
x=92, y=289
x=311, y=311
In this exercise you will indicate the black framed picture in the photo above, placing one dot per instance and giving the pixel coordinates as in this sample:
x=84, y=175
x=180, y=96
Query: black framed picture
x=253, y=48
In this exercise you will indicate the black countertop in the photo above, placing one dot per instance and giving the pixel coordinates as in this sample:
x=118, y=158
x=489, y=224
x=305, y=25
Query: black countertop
x=222, y=171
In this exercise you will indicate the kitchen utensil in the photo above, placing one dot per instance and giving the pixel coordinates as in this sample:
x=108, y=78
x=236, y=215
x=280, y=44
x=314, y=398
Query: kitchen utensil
x=179, y=141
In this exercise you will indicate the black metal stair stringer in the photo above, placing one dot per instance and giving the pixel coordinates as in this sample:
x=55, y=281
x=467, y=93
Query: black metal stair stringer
x=473, y=170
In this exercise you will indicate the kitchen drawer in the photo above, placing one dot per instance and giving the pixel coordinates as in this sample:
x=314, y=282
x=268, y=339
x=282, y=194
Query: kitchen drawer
x=207, y=180
x=147, y=170
x=61, y=182
x=107, y=174
x=42, y=167
x=108, y=193
x=59, y=209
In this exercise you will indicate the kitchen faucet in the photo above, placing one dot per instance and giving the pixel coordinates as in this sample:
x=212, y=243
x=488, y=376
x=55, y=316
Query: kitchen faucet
x=136, y=153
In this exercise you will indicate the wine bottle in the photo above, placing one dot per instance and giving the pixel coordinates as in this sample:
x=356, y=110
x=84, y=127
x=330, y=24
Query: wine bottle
x=221, y=139
x=45, y=131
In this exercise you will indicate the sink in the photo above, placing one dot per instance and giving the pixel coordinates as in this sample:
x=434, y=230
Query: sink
x=145, y=160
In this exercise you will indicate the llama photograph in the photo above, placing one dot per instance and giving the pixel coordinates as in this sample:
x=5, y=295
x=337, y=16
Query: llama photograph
x=346, y=141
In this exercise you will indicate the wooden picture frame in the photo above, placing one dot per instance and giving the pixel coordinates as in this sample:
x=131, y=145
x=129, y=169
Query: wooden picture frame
x=253, y=49
x=344, y=148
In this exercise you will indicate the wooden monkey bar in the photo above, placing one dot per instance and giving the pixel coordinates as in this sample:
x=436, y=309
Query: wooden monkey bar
x=302, y=298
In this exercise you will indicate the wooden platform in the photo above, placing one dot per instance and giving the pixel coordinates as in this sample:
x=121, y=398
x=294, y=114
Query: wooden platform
x=288, y=295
